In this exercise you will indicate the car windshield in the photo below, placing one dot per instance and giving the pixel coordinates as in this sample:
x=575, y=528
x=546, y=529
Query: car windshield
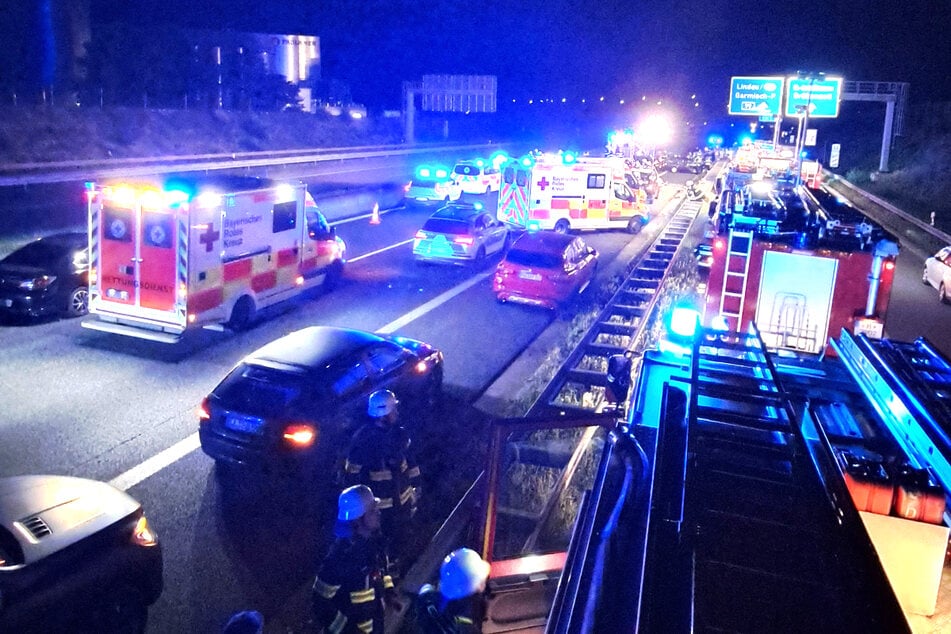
x=446, y=225
x=37, y=253
x=534, y=258
x=429, y=184
x=260, y=391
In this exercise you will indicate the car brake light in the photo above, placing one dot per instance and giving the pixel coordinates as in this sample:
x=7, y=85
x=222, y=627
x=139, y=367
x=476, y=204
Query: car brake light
x=203, y=411
x=420, y=235
x=143, y=535
x=300, y=435
x=889, y=265
x=422, y=367
x=463, y=240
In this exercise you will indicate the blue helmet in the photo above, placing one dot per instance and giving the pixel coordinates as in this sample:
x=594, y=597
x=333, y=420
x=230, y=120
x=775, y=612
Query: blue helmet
x=463, y=573
x=354, y=502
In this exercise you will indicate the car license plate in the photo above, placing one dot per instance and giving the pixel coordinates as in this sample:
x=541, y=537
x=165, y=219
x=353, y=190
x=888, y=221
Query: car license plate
x=526, y=275
x=8, y=303
x=244, y=424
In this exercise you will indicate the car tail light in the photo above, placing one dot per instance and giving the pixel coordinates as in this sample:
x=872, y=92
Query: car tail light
x=421, y=367
x=300, y=435
x=143, y=535
x=503, y=270
x=463, y=240
x=421, y=235
x=204, y=411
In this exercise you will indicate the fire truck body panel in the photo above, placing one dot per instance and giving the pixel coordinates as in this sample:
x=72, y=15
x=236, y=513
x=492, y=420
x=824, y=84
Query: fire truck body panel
x=177, y=253
x=589, y=194
x=796, y=296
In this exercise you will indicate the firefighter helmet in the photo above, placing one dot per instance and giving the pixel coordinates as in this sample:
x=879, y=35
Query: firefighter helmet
x=381, y=403
x=354, y=502
x=463, y=573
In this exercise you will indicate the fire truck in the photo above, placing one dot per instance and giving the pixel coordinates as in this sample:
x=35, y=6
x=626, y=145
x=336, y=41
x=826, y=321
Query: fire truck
x=774, y=264
x=172, y=253
x=565, y=193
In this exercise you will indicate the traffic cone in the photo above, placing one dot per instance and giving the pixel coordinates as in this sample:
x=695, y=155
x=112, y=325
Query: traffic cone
x=375, y=216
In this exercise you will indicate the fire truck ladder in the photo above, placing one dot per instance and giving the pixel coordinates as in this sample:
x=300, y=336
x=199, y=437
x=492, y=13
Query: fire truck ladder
x=909, y=385
x=764, y=550
x=735, y=273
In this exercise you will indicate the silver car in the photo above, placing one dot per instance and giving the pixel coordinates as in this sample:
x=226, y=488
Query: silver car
x=937, y=273
x=460, y=233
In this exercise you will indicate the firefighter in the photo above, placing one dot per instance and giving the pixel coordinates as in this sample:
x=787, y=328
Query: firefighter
x=379, y=457
x=458, y=606
x=354, y=581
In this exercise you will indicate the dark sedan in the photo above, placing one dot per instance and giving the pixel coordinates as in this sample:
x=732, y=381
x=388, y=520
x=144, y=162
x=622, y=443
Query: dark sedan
x=48, y=276
x=292, y=404
x=75, y=556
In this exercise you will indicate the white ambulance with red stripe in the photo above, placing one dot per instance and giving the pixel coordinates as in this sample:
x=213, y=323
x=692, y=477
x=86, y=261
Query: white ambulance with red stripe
x=567, y=193
x=172, y=253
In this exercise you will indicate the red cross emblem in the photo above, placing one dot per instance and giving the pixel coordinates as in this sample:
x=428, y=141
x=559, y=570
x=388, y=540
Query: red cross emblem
x=209, y=237
x=543, y=183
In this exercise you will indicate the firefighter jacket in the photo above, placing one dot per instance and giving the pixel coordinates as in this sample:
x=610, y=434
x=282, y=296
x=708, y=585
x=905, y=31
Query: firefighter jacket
x=379, y=457
x=351, y=586
x=435, y=615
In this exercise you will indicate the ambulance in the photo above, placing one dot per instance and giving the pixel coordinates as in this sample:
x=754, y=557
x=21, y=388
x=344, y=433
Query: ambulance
x=565, y=193
x=172, y=253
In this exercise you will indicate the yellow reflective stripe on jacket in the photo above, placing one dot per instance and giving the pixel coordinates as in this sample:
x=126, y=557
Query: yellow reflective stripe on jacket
x=362, y=596
x=352, y=467
x=413, y=473
x=464, y=619
x=385, y=503
x=365, y=626
x=381, y=476
x=406, y=495
x=403, y=465
x=340, y=622
x=387, y=582
x=325, y=589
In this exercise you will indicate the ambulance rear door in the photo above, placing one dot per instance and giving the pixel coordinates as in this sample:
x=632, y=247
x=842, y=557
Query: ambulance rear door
x=138, y=235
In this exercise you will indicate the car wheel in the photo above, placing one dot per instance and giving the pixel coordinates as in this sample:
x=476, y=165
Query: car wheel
x=334, y=275
x=480, y=255
x=124, y=611
x=432, y=392
x=943, y=294
x=78, y=304
x=242, y=314
x=634, y=225
x=562, y=226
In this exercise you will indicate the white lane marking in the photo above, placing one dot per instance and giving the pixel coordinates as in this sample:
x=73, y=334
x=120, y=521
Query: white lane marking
x=378, y=251
x=179, y=450
x=344, y=221
x=156, y=463
x=418, y=312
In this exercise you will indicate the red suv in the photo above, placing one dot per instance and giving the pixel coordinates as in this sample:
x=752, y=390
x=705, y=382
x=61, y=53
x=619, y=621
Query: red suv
x=545, y=268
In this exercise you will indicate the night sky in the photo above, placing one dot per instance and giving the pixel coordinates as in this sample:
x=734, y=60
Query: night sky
x=577, y=49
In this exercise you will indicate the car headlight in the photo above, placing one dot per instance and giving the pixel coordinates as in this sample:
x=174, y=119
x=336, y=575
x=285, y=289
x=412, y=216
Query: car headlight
x=37, y=283
x=143, y=535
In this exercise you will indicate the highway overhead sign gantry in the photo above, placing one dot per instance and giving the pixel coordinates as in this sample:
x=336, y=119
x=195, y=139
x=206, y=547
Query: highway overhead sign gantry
x=756, y=96
x=820, y=97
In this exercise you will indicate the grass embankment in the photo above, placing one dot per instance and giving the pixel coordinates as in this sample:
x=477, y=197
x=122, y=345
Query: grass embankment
x=919, y=180
x=46, y=134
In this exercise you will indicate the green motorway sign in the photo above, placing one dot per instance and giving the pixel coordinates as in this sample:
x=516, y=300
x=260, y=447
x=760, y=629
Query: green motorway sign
x=820, y=97
x=756, y=96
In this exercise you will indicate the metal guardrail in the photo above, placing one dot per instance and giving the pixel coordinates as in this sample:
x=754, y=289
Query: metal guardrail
x=579, y=385
x=54, y=172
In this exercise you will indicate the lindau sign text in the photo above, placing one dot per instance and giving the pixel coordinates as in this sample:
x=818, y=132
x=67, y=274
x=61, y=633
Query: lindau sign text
x=756, y=96
x=818, y=97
